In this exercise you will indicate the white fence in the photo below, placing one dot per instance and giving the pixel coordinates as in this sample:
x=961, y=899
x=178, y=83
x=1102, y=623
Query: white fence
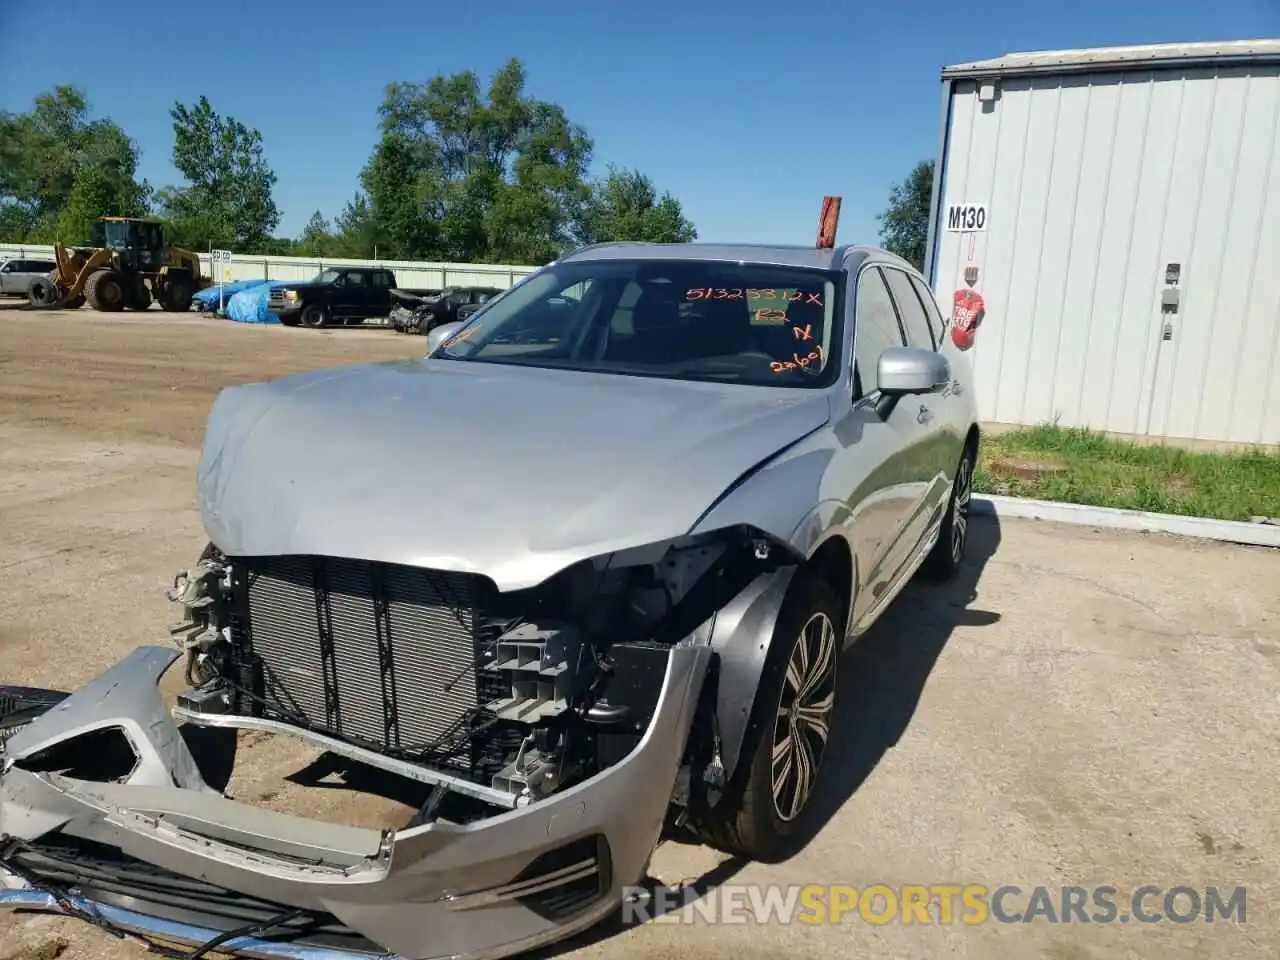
x=412, y=274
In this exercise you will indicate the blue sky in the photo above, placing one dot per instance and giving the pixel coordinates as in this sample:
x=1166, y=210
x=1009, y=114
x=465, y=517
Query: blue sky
x=748, y=112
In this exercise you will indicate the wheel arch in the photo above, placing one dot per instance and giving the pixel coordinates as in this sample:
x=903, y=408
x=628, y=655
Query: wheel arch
x=835, y=562
x=743, y=639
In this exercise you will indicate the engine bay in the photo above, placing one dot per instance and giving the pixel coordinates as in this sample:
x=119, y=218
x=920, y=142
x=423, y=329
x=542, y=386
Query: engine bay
x=488, y=701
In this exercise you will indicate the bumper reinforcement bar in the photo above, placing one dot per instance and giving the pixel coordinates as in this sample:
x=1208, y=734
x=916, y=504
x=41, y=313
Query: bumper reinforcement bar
x=404, y=768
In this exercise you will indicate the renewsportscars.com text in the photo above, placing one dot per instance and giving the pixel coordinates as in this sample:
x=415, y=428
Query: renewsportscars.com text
x=936, y=904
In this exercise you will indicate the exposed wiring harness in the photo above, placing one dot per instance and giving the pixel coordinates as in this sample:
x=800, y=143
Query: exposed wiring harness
x=66, y=897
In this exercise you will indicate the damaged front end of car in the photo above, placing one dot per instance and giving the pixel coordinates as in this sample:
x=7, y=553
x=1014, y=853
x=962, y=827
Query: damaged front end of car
x=554, y=730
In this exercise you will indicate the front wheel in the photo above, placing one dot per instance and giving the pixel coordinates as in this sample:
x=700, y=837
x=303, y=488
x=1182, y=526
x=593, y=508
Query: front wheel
x=315, y=316
x=105, y=291
x=947, y=555
x=794, y=708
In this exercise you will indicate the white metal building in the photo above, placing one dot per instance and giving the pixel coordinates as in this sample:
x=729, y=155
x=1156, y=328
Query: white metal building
x=1110, y=221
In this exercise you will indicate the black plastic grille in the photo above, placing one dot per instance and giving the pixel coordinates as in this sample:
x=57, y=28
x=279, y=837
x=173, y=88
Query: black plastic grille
x=568, y=899
x=20, y=705
x=375, y=653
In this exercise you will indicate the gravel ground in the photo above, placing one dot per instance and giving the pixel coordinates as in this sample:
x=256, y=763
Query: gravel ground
x=1081, y=708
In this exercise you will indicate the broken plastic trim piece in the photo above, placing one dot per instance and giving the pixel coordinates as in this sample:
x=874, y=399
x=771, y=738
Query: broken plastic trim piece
x=523, y=888
x=170, y=931
x=404, y=768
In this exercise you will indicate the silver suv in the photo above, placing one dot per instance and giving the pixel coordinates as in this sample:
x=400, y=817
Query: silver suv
x=16, y=275
x=681, y=479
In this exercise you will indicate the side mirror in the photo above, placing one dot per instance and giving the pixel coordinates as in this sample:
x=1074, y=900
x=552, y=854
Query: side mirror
x=903, y=371
x=437, y=337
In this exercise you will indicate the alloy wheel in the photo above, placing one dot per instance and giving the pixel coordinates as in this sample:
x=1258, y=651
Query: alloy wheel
x=960, y=508
x=803, y=721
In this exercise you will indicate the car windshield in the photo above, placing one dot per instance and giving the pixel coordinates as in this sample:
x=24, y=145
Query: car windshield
x=327, y=276
x=731, y=322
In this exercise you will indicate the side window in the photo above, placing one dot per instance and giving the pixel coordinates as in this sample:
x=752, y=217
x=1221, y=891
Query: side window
x=381, y=279
x=936, y=323
x=876, y=327
x=6, y=267
x=910, y=310
x=357, y=278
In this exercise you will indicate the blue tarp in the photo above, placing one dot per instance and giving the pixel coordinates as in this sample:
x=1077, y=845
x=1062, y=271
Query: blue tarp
x=250, y=306
x=208, y=297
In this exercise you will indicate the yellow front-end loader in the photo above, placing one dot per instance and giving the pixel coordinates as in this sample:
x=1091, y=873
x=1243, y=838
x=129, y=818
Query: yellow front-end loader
x=128, y=266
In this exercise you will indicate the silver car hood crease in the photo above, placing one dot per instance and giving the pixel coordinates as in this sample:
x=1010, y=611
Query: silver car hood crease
x=507, y=471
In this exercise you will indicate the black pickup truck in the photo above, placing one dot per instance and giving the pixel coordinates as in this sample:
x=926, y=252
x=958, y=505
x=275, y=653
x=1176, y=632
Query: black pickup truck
x=339, y=295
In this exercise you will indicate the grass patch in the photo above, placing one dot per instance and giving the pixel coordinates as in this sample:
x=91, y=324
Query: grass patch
x=1078, y=466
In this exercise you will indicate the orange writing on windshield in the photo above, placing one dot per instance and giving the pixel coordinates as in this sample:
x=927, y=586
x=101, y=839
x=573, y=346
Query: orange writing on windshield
x=808, y=298
x=798, y=362
x=768, y=318
x=713, y=293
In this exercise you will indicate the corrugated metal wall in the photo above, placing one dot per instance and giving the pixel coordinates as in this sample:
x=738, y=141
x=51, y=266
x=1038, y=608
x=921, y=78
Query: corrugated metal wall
x=1093, y=185
x=409, y=273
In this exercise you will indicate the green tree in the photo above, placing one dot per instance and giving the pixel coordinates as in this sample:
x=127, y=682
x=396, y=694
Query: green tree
x=227, y=200
x=904, y=223
x=316, y=239
x=464, y=174
x=357, y=232
x=60, y=170
x=626, y=206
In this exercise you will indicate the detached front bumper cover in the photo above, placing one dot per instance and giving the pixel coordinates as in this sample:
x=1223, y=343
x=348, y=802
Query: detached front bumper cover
x=491, y=888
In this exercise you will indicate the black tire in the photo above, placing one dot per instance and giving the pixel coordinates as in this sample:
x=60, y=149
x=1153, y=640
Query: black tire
x=315, y=316
x=42, y=293
x=758, y=818
x=20, y=705
x=176, y=295
x=105, y=291
x=75, y=303
x=947, y=556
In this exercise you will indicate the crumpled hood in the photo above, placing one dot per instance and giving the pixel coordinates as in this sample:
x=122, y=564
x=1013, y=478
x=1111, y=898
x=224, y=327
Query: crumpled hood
x=507, y=471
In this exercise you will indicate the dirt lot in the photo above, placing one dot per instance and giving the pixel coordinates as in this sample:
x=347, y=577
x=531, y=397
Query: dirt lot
x=1083, y=708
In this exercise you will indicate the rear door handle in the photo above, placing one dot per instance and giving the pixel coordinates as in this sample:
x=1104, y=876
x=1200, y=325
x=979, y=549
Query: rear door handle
x=925, y=415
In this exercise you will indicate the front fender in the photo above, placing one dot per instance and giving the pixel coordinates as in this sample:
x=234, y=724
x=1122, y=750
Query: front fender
x=784, y=498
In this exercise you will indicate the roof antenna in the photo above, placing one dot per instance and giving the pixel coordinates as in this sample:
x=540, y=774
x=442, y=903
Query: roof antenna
x=828, y=222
